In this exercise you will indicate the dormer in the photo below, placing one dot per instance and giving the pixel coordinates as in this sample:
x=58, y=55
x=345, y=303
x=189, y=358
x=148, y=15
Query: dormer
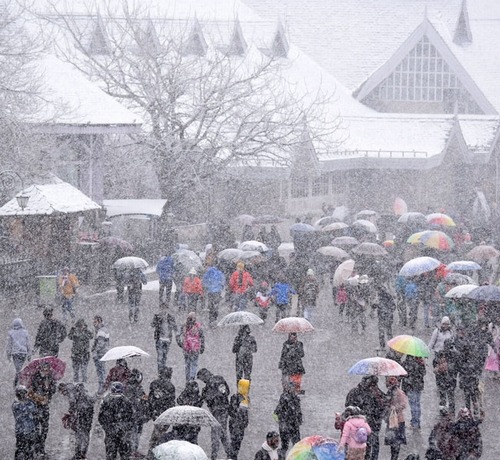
x=463, y=34
x=280, y=46
x=149, y=38
x=99, y=41
x=237, y=45
x=196, y=43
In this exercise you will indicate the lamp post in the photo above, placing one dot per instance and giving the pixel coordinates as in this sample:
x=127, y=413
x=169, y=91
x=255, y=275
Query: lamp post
x=7, y=179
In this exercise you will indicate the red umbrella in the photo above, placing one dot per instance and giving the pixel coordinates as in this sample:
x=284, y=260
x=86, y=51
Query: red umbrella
x=57, y=366
x=293, y=324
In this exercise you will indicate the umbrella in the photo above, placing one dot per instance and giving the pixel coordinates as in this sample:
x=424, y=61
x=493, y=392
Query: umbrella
x=315, y=448
x=130, y=262
x=412, y=218
x=179, y=450
x=438, y=218
x=267, y=219
x=340, y=213
x=253, y=245
x=377, y=366
x=483, y=252
x=251, y=257
x=343, y=272
x=485, y=293
x=458, y=279
x=418, y=266
x=388, y=243
x=460, y=291
x=432, y=239
x=332, y=251
x=127, y=351
x=114, y=242
x=188, y=259
x=370, y=249
x=365, y=213
x=409, y=345
x=245, y=219
x=463, y=265
x=230, y=254
x=240, y=318
x=366, y=225
x=57, y=366
x=293, y=324
x=345, y=241
x=324, y=221
x=334, y=226
x=400, y=207
x=301, y=227
x=186, y=415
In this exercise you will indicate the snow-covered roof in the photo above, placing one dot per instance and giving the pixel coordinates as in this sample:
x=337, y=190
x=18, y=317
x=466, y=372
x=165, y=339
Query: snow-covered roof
x=134, y=207
x=47, y=199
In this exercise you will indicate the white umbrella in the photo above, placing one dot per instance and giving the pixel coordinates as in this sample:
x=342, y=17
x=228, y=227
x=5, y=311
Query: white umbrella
x=370, y=249
x=460, y=291
x=240, y=318
x=251, y=256
x=179, y=450
x=327, y=220
x=334, y=226
x=245, y=219
x=412, y=217
x=343, y=272
x=293, y=324
x=253, y=245
x=230, y=254
x=345, y=241
x=188, y=259
x=463, y=266
x=365, y=225
x=186, y=415
x=365, y=213
x=332, y=251
x=127, y=351
x=340, y=212
x=419, y=265
x=130, y=262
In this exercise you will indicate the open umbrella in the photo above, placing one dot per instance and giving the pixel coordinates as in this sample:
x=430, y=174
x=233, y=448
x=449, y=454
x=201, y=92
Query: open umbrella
x=463, y=266
x=483, y=252
x=432, y=239
x=345, y=241
x=365, y=225
x=240, y=318
x=340, y=213
x=245, y=219
x=186, y=415
x=485, y=294
x=370, y=249
x=460, y=291
x=57, y=367
x=267, y=219
x=365, y=213
x=400, y=207
x=187, y=259
x=113, y=242
x=343, y=272
x=409, y=345
x=127, y=351
x=438, y=218
x=315, y=448
x=413, y=218
x=179, y=450
x=250, y=257
x=333, y=227
x=324, y=221
x=293, y=324
x=458, y=279
x=332, y=251
x=418, y=266
x=253, y=245
x=230, y=254
x=377, y=366
x=301, y=227
x=130, y=263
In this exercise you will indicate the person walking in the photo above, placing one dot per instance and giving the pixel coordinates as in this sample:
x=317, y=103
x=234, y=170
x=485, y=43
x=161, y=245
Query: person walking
x=269, y=449
x=68, y=285
x=445, y=373
x=18, y=347
x=134, y=288
x=135, y=393
x=164, y=326
x=165, y=269
x=291, y=366
x=281, y=293
x=115, y=417
x=51, y=332
x=80, y=351
x=191, y=339
x=25, y=417
x=308, y=295
x=244, y=347
x=82, y=407
x=397, y=402
x=288, y=413
x=99, y=348
x=240, y=283
x=467, y=436
x=120, y=372
x=440, y=335
x=239, y=404
x=385, y=305
x=190, y=396
x=413, y=385
x=192, y=289
x=213, y=282
x=355, y=434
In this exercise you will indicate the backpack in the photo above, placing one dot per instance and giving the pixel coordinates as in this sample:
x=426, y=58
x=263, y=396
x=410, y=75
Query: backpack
x=192, y=342
x=361, y=435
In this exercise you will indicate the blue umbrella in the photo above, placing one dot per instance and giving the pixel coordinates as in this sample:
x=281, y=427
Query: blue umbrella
x=463, y=266
x=419, y=265
x=485, y=293
x=301, y=227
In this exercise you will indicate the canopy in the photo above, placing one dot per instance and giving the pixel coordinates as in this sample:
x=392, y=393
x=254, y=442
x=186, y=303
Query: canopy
x=134, y=207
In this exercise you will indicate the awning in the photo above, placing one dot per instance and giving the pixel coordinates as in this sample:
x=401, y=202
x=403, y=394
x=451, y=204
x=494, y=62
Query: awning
x=129, y=208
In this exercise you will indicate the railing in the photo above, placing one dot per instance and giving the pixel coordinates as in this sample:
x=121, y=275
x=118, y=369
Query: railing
x=383, y=154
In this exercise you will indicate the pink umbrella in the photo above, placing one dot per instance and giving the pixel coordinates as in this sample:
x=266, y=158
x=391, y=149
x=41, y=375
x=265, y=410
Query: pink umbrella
x=57, y=367
x=293, y=324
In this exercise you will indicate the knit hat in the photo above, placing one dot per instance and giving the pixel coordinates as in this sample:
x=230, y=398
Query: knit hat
x=240, y=266
x=192, y=271
x=445, y=320
x=310, y=272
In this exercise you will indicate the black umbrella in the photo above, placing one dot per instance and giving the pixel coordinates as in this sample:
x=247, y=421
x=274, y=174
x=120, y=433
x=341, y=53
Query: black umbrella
x=485, y=293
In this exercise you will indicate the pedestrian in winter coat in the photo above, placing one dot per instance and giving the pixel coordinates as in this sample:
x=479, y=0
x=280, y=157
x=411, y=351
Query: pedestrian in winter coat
x=213, y=282
x=119, y=373
x=385, y=305
x=25, y=417
x=82, y=410
x=18, y=347
x=289, y=415
x=238, y=416
x=263, y=300
x=216, y=396
x=165, y=269
x=134, y=288
x=411, y=300
x=445, y=372
x=80, y=351
x=355, y=433
x=247, y=234
x=308, y=295
x=273, y=239
x=192, y=289
x=135, y=393
x=51, y=332
x=68, y=285
x=269, y=449
x=397, y=403
x=440, y=335
x=373, y=403
x=115, y=417
x=290, y=363
x=467, y=436
x=441, y=438
x=240, y=283
x=244, y=346
x=165, y=327
x=190, y=396
x=413, y=385
x=99, y=348
x=192, y=341
x=281, y=293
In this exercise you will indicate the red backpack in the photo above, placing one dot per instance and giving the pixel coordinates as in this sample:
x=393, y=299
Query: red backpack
x=192, y=341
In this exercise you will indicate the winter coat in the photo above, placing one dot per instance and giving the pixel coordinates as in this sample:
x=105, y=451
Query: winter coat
x=398, y=401
x=50, y=334
x=165, y=268
x=216, y=395
x=282, y=293
x=118, y=373
x=371, y=400
x=289, y=411
x=240, y=282
x=348, y=432
x=81, y=337
x=308, y=291
x=439, y=336
x=414, y=381
x=190, y=396
x=135, y=281
x=385, y=307
x=291, y=358
x=42, y=388
x=25, y=417
x=213, y=280
x=164, y=327
x=82, y=407
x=115, y=415
x=18, y=340
x=196, y=330
x=264, y=453
x=244, y=345
x=135, y=393
x=192, y=285
x=161, y=396
x=101, y=342
x=68, y=284
x=238, y=414
x=467, y=438
x=441, y=437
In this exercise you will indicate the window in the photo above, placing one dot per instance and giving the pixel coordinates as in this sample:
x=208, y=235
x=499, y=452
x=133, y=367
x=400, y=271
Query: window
x=299, y=187
x=320, y=185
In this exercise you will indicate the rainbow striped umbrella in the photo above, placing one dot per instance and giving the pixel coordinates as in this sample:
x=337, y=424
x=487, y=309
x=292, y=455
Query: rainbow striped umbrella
x=432, y=239
x=438, y=218
x=377, y=366
x=409, y=345
x=315, y=448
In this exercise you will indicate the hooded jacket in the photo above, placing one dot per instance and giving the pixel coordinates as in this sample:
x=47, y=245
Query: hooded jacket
x=348, y=432
x=18, y=340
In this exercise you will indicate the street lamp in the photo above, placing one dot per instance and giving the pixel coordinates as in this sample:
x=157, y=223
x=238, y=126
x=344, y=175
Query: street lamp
x=7, y=178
